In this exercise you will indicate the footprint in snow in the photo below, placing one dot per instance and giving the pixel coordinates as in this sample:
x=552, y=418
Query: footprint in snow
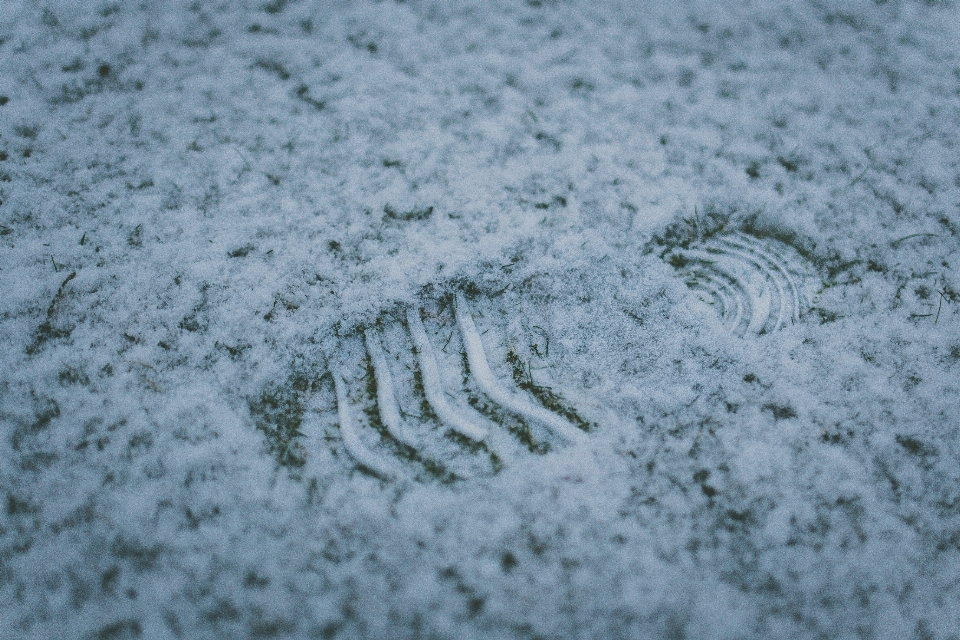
x=418, y=394
x=757, y=286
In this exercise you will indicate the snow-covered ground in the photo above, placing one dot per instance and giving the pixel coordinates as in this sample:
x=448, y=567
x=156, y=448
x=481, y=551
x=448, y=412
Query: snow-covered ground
x=667, y=294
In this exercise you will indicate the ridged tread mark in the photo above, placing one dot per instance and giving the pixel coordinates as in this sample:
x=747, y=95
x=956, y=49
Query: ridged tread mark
x=769, y=269
x=386, y=396
x=365, y=457
x=432, y=384
x=777, y=263
x=369, y=441
x=496, y=391
x=756, y=287
x=469, y=430
x=704, y=275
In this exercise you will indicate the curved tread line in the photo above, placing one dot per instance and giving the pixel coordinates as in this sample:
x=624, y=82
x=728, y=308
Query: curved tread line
x=744, y=318
x=432, y=386
x=386, y=399
x=776, y=317
x=379, y=464
x=730, y=311
x=777, y=262
x=799, y=298
x=774, y=264
x=702, y=281
x=492, y=387
x=715, y=294
x=704, y=268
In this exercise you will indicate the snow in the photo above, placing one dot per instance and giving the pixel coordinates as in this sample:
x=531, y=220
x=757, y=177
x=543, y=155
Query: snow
x=209, y=210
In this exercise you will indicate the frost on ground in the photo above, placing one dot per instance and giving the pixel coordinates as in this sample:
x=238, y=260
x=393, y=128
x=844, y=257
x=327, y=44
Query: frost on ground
x=714, y=246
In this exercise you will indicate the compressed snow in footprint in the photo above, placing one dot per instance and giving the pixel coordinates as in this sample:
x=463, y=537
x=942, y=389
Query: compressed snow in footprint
x=485, y=320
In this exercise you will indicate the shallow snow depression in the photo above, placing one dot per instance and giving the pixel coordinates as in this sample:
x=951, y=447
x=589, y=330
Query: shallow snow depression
x=527, y=320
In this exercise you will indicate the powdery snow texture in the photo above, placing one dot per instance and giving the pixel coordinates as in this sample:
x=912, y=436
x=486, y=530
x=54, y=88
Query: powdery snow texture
x=544, y=319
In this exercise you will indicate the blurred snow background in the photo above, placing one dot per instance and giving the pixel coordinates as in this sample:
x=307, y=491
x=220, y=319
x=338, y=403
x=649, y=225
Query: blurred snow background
x=200, y=200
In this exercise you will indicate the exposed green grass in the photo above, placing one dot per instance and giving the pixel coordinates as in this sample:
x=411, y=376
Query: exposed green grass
x=545, y=395
x=515, y=425
x=46, y=331
x=476, y=447
x=421, y=213
x=278, y=413
x=692, y=229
